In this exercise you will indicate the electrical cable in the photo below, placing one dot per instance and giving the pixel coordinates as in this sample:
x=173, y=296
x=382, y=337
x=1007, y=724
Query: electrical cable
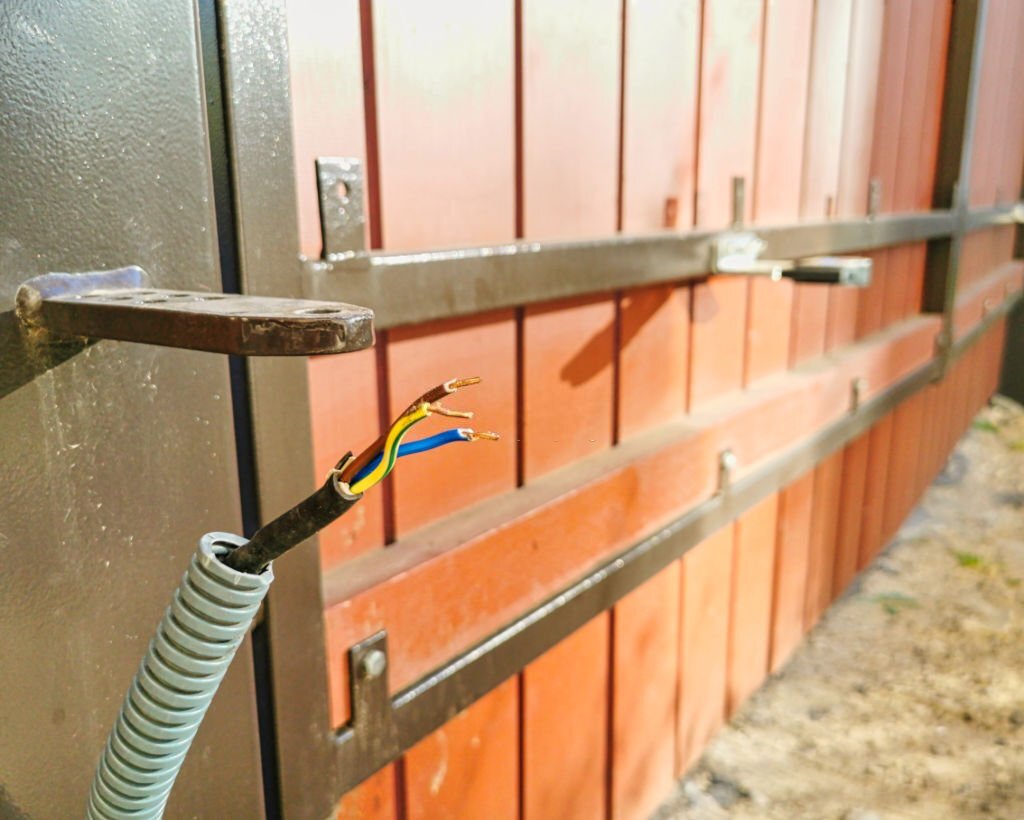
x=424, y=445
x=211, y=613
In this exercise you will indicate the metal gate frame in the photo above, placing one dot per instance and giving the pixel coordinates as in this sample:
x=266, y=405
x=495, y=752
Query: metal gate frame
x=317, y=764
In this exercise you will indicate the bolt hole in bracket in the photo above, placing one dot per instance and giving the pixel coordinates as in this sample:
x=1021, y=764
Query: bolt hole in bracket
x=738, y=253
x=120, y=304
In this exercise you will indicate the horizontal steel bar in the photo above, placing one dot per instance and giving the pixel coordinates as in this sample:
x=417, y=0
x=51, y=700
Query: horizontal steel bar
x=388, y=730
x=407, y=288
x=980, y=218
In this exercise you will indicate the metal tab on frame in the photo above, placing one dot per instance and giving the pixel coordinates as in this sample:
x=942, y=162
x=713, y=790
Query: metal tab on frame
x=339, y=184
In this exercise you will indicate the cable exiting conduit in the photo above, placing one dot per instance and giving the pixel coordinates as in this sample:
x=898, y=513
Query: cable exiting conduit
x=209, y=616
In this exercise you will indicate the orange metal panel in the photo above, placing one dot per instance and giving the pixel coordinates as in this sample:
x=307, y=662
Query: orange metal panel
x=825, y=105
x=785, y=67
x=821, y=160
x=862, y=85
x=792, y=556
x=810, y=318
x=425, y=355
x=935, y=88
x=752, y=592
x=914, y=102
x=851, y=510
x=372, y=800
x=469, y=768
x=769, y=307
x=885, y=149
x=654, y=347
x=730, y=59
x=871, y=542
x=326, y=69
x=567, y=395
x=869, y=305
x=717, y=338
x=343, y=410
x=828, y=476
x=445, y=113
x=659, y=114
x=776, y=190
x=565, y=727
x=578, y=524
x=855, y=167
x=645, y=648
x=571, y=66
x=704, y=643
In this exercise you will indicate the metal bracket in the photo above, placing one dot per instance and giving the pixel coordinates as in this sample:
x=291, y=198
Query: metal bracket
x=738, y=253
x=874, y=197
x=339, y=184
x=118, y=304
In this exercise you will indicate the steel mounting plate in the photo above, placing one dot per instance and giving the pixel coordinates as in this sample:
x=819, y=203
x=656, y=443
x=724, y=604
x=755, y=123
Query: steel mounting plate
x=116, y=304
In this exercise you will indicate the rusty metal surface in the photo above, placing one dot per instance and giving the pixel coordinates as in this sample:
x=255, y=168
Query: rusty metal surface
x=115, y=305
x=114, y=461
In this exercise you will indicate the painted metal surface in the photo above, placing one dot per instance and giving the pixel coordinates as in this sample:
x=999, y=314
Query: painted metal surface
x=118, y=459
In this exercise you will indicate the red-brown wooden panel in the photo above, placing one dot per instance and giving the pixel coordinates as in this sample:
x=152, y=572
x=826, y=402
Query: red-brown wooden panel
x=769, y=306
x=935, y=89
x=469, y=768
x=567, y=394
x=421, y=356
x=792, y=556
x=704, y=642
x=752, y=592
x=645, y=648
x=851, y=510
x=565, y=727
x=659, y=114
x=828, y=477
x=654, y=360
x=373, y=800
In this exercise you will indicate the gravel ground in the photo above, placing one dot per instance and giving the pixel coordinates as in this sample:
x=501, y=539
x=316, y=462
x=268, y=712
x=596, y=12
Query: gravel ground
x=907, y=700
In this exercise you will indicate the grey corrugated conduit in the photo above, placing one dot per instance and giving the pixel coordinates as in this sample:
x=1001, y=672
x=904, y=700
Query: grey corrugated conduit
x=209, y=616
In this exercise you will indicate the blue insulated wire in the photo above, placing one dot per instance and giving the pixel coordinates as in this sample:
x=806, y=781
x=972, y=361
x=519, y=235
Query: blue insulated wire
x=411, y=448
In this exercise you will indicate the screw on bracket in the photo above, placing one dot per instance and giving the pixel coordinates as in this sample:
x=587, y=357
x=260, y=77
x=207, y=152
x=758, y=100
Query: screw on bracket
x=858, y=387
x=727, y=463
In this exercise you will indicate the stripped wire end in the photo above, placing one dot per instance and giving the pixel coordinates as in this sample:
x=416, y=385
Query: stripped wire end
x=452, y=385
x=441, y=410
x=478, y=435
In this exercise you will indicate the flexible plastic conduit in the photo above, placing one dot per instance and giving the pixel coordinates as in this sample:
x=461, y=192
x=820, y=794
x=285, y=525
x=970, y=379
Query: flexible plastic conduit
x=193, y=647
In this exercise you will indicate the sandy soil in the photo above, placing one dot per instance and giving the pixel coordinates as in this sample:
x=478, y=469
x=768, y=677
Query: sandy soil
x=907, y=700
